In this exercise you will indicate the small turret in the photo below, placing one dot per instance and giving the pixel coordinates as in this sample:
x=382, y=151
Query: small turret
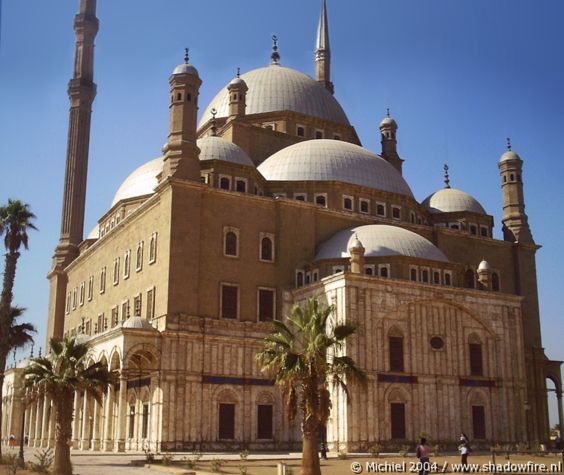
x=515, y=220
x=181, y=152
x=237, y=96
x=484, y=275
x=356, y=250
x=388, y=129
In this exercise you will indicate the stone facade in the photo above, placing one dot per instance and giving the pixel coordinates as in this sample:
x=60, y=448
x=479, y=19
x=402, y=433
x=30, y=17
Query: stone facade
x=175, y=287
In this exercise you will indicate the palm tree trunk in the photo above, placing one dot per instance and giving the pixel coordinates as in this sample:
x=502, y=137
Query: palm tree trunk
x=11, y=260
x=310, y=454
x=63, y=406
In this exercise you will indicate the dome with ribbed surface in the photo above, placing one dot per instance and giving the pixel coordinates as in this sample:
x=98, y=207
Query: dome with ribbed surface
x=451, y=200
x=380, y=240
x=144, y=180
x=217, y=148
x=333, y=160
x=275, y=88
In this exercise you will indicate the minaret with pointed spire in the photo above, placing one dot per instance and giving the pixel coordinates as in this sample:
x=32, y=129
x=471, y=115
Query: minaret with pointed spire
x=388, y=130
x=237, y=96
x=81, y=91
x=323, y=52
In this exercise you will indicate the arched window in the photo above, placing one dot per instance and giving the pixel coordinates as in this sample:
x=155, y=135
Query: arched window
x=425, y=275
x=469, y=279
x=299, y=279
x=384, y=271
x=230, y=244
x=436, y=277
x=368, y=270
x=347, y=203
x=448, y=278
x=495, y=282
x=266, y=253
x=413, y=275
x=321, y=200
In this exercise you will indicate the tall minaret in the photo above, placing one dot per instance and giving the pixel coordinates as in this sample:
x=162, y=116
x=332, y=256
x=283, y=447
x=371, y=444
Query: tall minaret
x=323, y=52
x=515, y=220
x=81, y=91
x=388, y=130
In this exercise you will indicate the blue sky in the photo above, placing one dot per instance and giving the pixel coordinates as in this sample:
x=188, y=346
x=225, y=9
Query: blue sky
x=458, y=76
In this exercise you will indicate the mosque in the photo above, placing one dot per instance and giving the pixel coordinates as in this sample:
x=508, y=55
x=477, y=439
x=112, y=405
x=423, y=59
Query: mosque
x=266, y=201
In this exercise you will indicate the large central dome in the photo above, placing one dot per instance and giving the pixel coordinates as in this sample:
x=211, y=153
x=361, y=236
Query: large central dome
x=333, y=160
x=275, y=88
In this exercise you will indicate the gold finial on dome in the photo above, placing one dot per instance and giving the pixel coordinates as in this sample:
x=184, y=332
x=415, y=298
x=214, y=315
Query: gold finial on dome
x=447, y=178
x=275, y=56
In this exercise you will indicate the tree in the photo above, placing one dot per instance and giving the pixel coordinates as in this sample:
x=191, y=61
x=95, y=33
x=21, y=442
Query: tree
x=19, y=335
x=15, y=220
x=303, y=356
x=58, y=376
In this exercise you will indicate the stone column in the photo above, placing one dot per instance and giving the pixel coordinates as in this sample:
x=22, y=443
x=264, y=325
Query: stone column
x=85, y=436
x=107, y=444
x=45, y=422
x=38, y=420
x=119, y=445
x=30, y=423
x=560, y=415
x=76, y=421
x=52, y=427
x=96, y=416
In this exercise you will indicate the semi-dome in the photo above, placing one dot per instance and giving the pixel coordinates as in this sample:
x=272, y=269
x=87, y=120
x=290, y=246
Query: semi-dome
x=137, y=323
x=144, y=179
x=451, y=200
x=333, y=160
x=217, y=148
x=380, y=240
x=276, y=88
x=141, y=182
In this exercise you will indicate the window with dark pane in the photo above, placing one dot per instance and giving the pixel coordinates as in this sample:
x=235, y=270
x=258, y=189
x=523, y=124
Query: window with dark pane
x=476, y=366
x=264, y=421
x=266, y=305
x=230, y=244
x=226, y=421
x=397, y=422
x=396, y=353
x=229, y=301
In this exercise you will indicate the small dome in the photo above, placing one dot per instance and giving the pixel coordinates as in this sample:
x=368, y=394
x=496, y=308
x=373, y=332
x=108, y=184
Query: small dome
x=388, y=122
x=141, y=182
x=509, y=155
x=356, y=244
x=333, y=160
x=484, y=265
x=451, y=200
x=380, y=240
x=186, y=68
x=217, y=148
x=275, y=88
x=237, y=81
x=137, y=323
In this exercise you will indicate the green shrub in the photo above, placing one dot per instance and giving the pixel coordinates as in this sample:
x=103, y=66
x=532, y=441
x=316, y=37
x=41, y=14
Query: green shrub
x=342, y=454
x=244, y=454
x=167, y=459
x=404, y=450
x=375, y=449
x=216, y=465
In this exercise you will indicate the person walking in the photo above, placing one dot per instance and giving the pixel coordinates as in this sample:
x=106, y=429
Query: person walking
x=422, y=452
x=463, y=449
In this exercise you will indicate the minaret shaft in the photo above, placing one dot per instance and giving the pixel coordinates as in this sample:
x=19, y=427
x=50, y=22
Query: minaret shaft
x=81, y=91
x=323, y=52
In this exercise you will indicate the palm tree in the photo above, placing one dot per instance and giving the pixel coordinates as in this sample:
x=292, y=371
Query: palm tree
x=58, y=376
x=303, y=357
x=15, y=220
x=19, y=335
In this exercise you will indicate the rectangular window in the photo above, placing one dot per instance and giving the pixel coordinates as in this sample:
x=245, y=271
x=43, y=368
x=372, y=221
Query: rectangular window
x=396, y=353
x=484, y=232
x=479, y=422
x=116, y=271
x=74, y=299
x=139, y=257
x=381, y=209
x=348, y=203
x=101, y=323
x=300, y=196
x=226, y=421
x=318, y=134
x=321, y=199
x=103, y=280
x=369, y=269
x=125, y=311
x=473, y=229
x=412, y=217
x=300, y=131
x=364, y=206
x=413, y=273
x=81, y=296
x=396, y=212
x=229, y=301
x=137, y=304
x=131, y=422
x=264, y=421
x=224, y=182
x=315, y=275
x=476, y=367
x=397, y=416
x=448, y=278
x=266, y=305
x=145, y=421
x=241, y=185
x=384, y=270
x=150, y=304
x=90, y=287
x=126, y=264
x=88, y=327
x=153, y=248
x=68, y=306
x=115, y=316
